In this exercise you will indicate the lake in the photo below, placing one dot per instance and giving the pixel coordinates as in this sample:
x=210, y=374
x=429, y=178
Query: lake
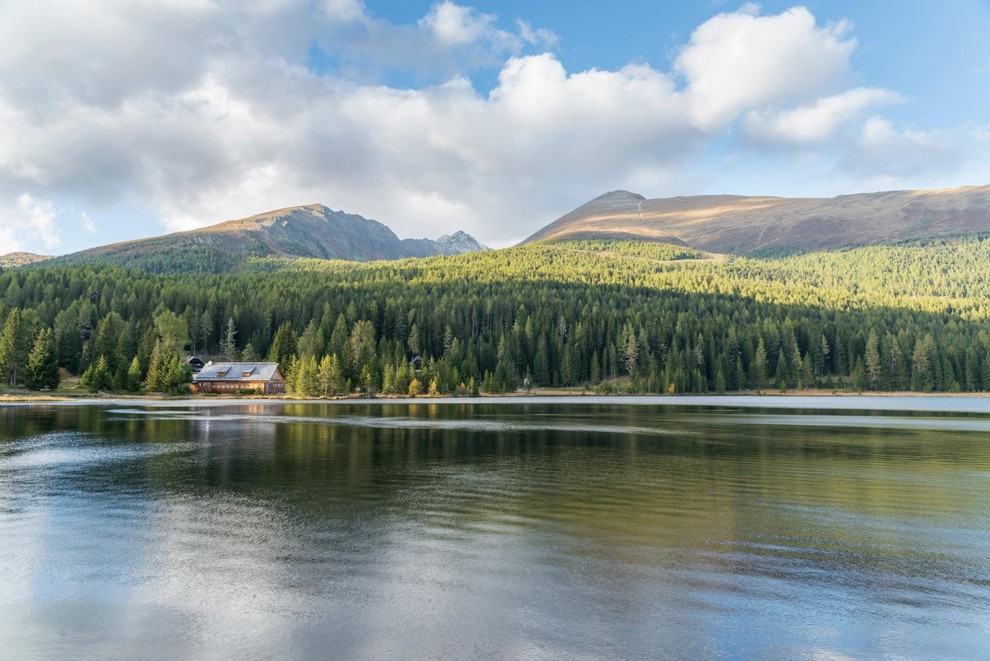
x=581, y=528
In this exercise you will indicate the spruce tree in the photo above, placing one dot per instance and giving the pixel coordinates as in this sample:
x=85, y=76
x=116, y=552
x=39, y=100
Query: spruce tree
x=154, y=379
x=14, y=347
x=42, y=363
x=97, y=376
x=134, y=375
x=228, y=343
x=284, y=345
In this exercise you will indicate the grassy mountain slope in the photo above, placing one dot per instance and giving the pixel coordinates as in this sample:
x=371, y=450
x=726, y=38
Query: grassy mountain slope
x=774, y=225
x=310, y=231
x=14, y=259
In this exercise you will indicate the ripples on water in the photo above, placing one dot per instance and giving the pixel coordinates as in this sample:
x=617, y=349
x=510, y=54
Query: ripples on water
x=509, y=531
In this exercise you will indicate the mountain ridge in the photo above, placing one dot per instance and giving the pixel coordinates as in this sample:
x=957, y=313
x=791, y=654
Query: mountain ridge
x=309, y=231
x=750, y=225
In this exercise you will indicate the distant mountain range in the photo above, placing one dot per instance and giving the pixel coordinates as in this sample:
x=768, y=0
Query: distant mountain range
x=729, y=224
x=776, y=225
x=309, y=231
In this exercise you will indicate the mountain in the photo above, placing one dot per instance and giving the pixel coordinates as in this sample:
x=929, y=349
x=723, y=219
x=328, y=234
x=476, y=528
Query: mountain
x=460, y=242
x=22, y=258
x=770, y=225
x=308, y=231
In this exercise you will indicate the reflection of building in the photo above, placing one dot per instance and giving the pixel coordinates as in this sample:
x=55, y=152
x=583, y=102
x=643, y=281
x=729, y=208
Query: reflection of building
x=265, y=378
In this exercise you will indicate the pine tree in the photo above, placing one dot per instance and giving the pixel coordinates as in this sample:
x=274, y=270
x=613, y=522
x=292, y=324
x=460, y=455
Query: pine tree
x=153, y=378
x=388, y=378
x=758, y=373
x=42, y=365
x=859, y=376
x=873, y=360
x=249, y=355
x=97, y=376
x=228, y=343
x=205, y=328
x=284, y=345
x=326, y=375
x=14, y=347
x=595, y=377
x=630, y=351
x=166, y=372
x=335, y=378
x=134, y=375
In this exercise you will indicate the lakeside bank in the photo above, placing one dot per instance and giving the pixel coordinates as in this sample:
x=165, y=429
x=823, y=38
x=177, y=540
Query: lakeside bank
x=894, y=402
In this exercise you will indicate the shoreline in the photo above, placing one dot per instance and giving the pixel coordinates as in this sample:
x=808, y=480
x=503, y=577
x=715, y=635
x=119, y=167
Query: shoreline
x=804, y=400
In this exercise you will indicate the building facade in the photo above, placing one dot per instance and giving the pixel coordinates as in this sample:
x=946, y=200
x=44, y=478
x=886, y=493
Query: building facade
x=265, y=378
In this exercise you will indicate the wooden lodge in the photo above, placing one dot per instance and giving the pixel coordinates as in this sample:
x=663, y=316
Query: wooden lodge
x=265, y=378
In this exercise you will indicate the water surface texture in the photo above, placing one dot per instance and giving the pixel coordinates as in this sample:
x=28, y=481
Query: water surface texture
x=590, y=530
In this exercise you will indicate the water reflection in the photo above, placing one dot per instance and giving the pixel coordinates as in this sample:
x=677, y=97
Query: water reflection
x=459, y=531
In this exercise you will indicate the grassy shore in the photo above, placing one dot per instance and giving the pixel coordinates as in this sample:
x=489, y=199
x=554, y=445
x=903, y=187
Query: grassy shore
x=80, y=394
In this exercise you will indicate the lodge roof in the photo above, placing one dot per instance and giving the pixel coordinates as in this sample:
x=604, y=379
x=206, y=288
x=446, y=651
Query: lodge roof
x=238, y=372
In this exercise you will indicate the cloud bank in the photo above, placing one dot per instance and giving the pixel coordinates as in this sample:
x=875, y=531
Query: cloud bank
x=206, y=110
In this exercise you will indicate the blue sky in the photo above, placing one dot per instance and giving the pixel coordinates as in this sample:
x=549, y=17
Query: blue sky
x=120, y=120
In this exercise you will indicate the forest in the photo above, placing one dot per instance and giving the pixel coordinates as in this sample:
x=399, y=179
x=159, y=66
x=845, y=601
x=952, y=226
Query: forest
x=603, y=315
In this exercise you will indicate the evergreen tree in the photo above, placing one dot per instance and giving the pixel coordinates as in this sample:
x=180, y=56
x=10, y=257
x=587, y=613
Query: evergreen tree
x=14, y=344
x=173, y=330
x=284, y=345
x=155, y=377
x=872, y=359
x=249, y=355
x=134, y=375
x=97, y=376
x=205, y=329
x=758, y=372
x=228, y=343
x=42, y=365
x=326, y=376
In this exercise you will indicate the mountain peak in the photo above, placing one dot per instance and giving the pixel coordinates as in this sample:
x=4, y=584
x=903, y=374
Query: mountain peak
x=742, y=225
x=460, y=242
x=309, y=231
x=618, y=195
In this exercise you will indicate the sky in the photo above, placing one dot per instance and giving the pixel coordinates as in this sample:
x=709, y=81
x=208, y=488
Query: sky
x=121, y=119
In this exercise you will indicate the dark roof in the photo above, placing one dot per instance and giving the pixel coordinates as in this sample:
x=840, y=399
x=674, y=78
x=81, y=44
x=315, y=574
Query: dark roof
x=237, y=372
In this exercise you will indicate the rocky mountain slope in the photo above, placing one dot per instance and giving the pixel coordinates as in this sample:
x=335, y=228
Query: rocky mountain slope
x=308, y=231
x=771, y=225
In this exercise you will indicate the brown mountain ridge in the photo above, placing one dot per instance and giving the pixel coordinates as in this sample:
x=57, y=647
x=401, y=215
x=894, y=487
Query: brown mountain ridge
x=314, y=231
x=742, y=225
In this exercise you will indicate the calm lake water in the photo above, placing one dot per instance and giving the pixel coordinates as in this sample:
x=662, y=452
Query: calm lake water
x=602, y=529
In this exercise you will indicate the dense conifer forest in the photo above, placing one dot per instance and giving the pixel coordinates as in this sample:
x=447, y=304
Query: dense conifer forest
x=630, y=316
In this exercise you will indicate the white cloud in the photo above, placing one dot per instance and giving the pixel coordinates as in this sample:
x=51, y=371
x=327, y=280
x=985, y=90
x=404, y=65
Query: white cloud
x=455, y=25
x=536, y=36
x=346, y=11
x=233, y=123
x=741, y=60
x=881, y=150
x=815, y=122
x=29, y=221
x=87, y=223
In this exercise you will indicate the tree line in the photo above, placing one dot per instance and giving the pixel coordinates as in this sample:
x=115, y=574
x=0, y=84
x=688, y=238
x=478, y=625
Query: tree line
x=643, y=317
